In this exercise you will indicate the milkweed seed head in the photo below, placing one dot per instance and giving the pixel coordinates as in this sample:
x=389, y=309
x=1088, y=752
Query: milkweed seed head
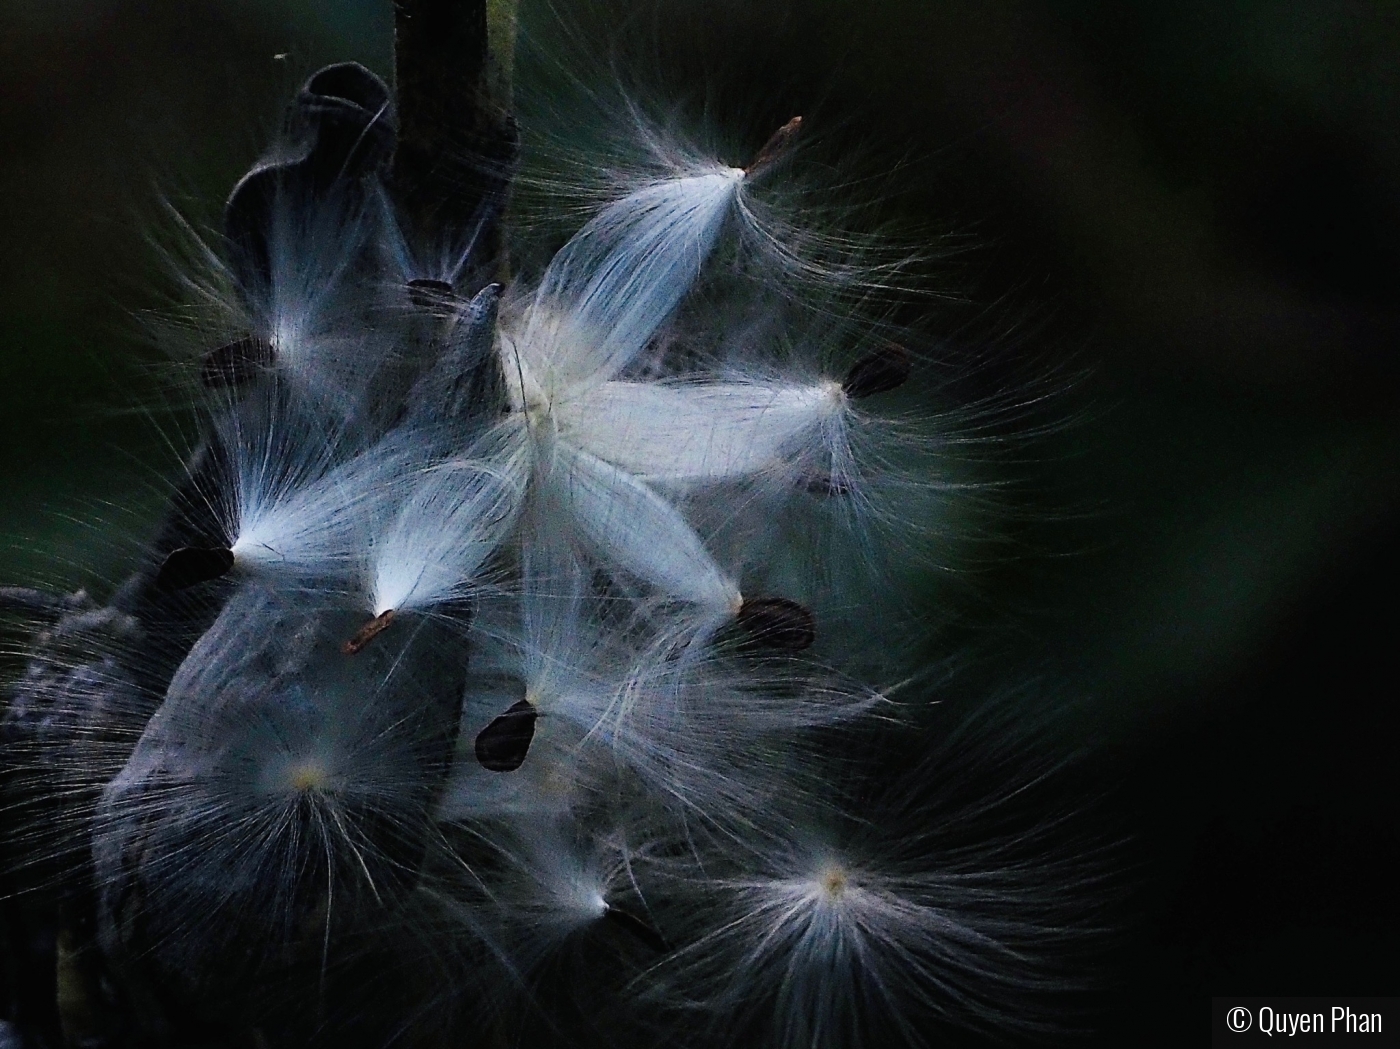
x=520, y=623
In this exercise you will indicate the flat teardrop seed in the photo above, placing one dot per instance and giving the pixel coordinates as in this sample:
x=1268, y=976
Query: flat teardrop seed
x=779, y=144
x=776, y=622
x=192, y=564
x=635, y=926
x=429, y=294
x=502, y=745
x=236, y=363
x=879, y=372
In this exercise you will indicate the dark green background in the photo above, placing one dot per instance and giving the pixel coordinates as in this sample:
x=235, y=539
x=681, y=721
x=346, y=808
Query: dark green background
x=1187, y=212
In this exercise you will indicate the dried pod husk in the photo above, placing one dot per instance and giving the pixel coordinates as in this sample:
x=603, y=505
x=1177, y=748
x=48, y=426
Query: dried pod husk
x=340, y=132
x=278, y=801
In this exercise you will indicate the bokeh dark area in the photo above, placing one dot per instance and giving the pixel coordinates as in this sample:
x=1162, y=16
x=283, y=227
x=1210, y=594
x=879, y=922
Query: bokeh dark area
x=1189, y=212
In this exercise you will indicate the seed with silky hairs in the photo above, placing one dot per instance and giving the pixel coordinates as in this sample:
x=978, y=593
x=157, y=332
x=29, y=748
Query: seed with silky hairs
x=878, y=372
x=368, y=633
x=635, y=926
x=502, y=745
x=434, y=295
x=192, y=564
x=236, y=363
x=776, y=622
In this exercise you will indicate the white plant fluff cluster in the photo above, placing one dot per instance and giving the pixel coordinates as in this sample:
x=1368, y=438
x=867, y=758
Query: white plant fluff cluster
x=496, y=677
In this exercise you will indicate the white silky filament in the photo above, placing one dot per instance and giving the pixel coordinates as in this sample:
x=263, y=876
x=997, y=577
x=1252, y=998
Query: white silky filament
x=700, y=432
x=618, y=279
x=291, y=508
x=454, y=516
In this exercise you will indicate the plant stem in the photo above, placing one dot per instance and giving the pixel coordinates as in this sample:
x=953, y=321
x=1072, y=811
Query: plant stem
x=457, y=139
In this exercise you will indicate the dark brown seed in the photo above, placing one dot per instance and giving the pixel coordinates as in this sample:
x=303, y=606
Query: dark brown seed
x=434, y=295
x=826, y=484
x=777, y=147
x=635, y=926
x=502, y=745
x=236, y=363
x=776, y=622
x=878, y=372
x=192, y=564
x=368, y=632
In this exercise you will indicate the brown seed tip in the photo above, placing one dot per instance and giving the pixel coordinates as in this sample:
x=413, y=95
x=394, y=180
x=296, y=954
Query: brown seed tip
x=879, y=371
x=636, y=927
x=192, y=564
x=776, y=622
x=436, y=296
x=777, y=147
x=236, y=363
x=368, y=633
x=502, y=745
